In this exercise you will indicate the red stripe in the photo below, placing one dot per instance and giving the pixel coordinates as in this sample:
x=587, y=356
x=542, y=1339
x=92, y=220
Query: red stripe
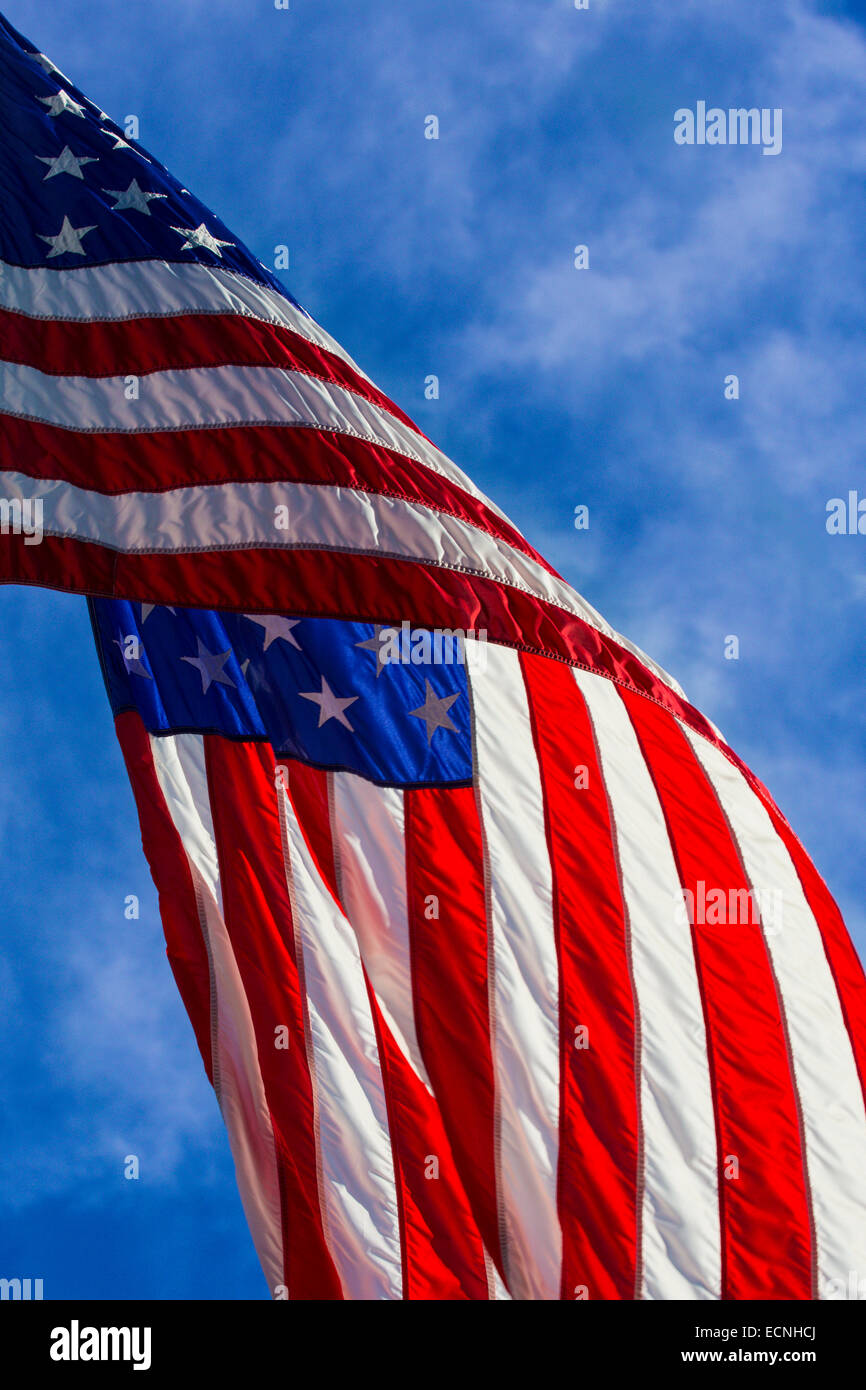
x=258, y=916
x=139, y=346
x=169, y=866
x=765, y=1215
x=842, y=956
x=116, y=463
x=445, y=875
x=308, y=788
x=599, y=1144
x=442, y=1252
x=328, y=584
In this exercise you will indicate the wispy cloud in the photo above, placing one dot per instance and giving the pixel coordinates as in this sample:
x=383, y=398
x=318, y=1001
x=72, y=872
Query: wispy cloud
x=558, y=386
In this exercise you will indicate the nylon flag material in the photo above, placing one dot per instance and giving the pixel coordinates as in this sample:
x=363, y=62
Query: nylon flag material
x=510, y=978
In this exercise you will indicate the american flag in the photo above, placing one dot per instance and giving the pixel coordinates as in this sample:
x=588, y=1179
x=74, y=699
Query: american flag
x=511, y=979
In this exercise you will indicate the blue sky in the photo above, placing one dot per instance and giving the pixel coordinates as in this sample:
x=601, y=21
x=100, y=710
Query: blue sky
x=557, y=387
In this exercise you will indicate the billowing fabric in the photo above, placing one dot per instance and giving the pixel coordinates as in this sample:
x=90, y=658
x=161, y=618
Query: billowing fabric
x=511, y=980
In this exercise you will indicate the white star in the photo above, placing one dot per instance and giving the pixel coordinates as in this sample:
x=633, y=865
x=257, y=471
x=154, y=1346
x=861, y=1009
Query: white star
x=65, y=163
x=133, y=197
x=48, y=66
x=374, y=644
x=61, y=101
x=331, y=706
x=133, y=664
x=434, y=710
x=147, y=609
x=67, y=239
x=210, y=666
x=200, y=236
x=276, y=628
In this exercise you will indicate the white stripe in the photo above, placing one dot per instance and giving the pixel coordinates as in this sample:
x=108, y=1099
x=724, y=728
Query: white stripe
x=368, y=830
x=210, y=397
x=359, y=1190
x=525, y=978
x=180, y=769
x=236, y=515
x=824, y=1065
x=207, y=397
x=242, y=515
x=137, y=289
x=369, y=837
x=680, y=1215
x=153, y=289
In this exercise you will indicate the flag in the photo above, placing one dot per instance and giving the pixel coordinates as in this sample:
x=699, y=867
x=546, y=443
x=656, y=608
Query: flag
x=510, y=978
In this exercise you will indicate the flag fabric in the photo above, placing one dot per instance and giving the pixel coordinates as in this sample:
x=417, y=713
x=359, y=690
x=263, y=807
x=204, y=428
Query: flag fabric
x=510, y=978
x=186, y=431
